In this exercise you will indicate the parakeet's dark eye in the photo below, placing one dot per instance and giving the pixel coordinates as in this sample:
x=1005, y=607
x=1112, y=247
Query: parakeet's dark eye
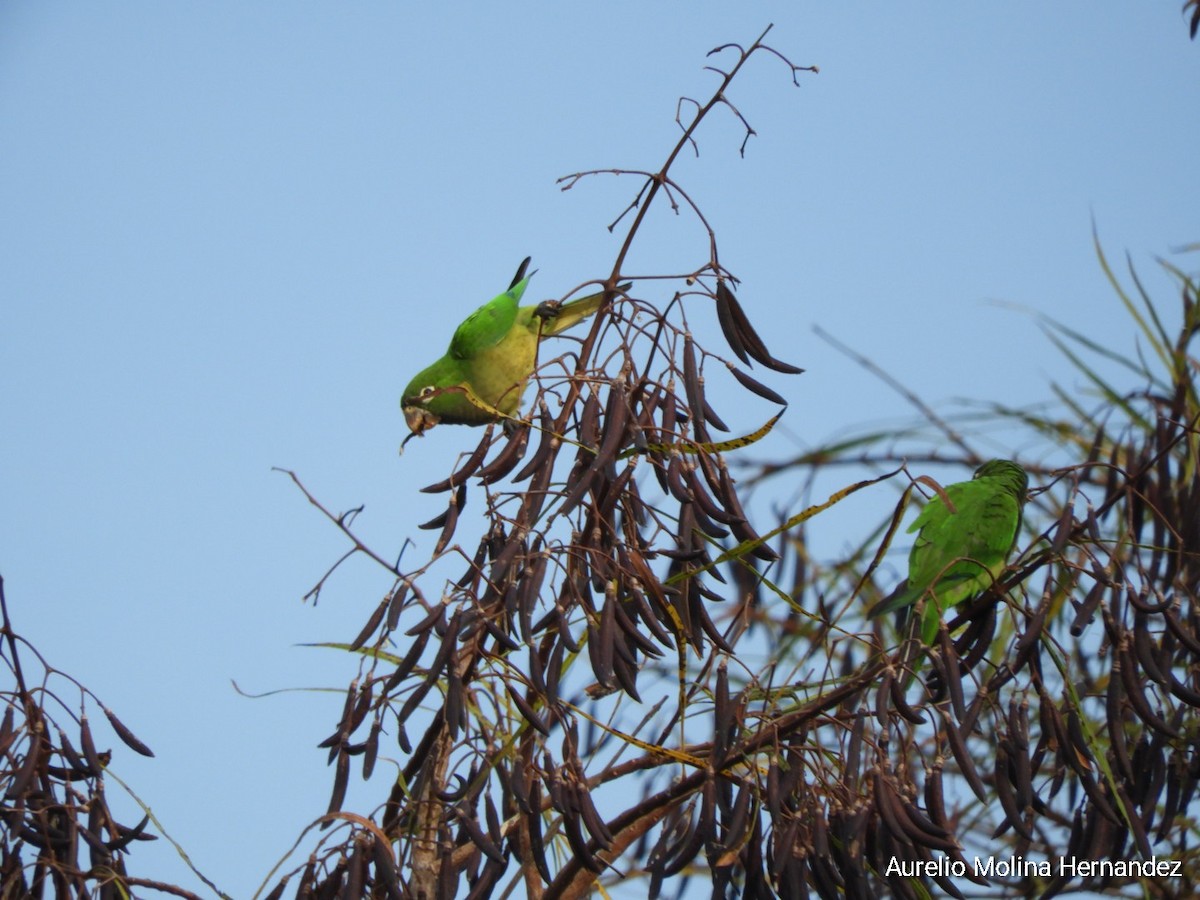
x=427, y=391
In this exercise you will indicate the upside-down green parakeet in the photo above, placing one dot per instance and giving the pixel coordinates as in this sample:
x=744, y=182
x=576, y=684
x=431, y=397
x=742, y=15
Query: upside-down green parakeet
x=960, y=552
x=492, y=355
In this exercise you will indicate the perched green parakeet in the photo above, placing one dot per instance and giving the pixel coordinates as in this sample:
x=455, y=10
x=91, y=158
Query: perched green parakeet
x=959, y=553
x=491, y=357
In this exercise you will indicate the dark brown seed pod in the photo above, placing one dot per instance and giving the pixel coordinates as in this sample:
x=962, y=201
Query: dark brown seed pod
x=592, y=820
x=342, y=732
x=1175, y=773
x=431, y=676
x=581, y=483
x=739, y=818
x=95, y=764
x=1013, y=813
x=951, y=672
x=749, y=337
x=24, y=776
x=385, y=869
x=883, y=694
x=372, y=623
x=693, y=387
x=923, y=831
x=601, y=635
x=705, y=502
x=465, y=471
x=362, y=706
x=438, y=521
x=75, y=763
x=900, y=702
x=1182, y=632
x=685, y=851
x=408, y=661
x=710, y=528
x=1137, y=695
x=711, y=417
x=456, y=505
x=744, y=533
x=371, y=749
x=646, y=614
x=356, y=870
x=1030, y=640
x=8, y=734
x=699, y=614
x=527, y=710
x=741, y=525
x=615, y=492
x=127, y=737
x=1087, y=609
x=1189, y=785
x=341, y=778
x=617, y=416
x=126, y=836
x=546, y=446
x=728, y=324
x=506, y=460
x=1022, y=777
x=722, y=714
x=1134, y=822
x=589, y=420
x=628, y=629
x=667, y=433
x=1143, y=645
x=962, y=756
x=1182, y=691
x=887, y=808
x=854, y=751
x=935, y=801
x=533, y=827
x=1100, y=836
x=454, y=699
x=477, y=836
x=495, y=831
x=757, y=387
x=396, y=604
x=675, y=483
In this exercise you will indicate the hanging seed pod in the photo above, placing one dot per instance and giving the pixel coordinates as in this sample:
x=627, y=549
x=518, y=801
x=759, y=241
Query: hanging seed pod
x=506, y=460
x=962, y=756
x=749, y=337
x=465, y=471
x=725, y=318
x=546, y=447
x=456, y=505
x=757, y=387
x=694, y=388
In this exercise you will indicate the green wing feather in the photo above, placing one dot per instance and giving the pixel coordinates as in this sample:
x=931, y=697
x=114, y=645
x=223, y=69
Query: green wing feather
x=959, y=553
x=488, y=325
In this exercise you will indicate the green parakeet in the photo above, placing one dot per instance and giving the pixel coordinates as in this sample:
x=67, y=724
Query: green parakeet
x=491, y=357
x=959, y=553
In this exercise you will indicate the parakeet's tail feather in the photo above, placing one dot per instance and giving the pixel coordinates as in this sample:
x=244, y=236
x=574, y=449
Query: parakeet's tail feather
x=521, y=269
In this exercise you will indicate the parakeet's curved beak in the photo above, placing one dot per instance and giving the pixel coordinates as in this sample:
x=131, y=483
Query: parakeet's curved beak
x=419, y=419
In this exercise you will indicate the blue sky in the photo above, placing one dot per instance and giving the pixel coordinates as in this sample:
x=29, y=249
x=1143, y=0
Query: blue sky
x=231, y=232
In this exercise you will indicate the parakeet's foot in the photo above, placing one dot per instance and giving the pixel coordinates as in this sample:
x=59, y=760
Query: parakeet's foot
x=548, y=309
